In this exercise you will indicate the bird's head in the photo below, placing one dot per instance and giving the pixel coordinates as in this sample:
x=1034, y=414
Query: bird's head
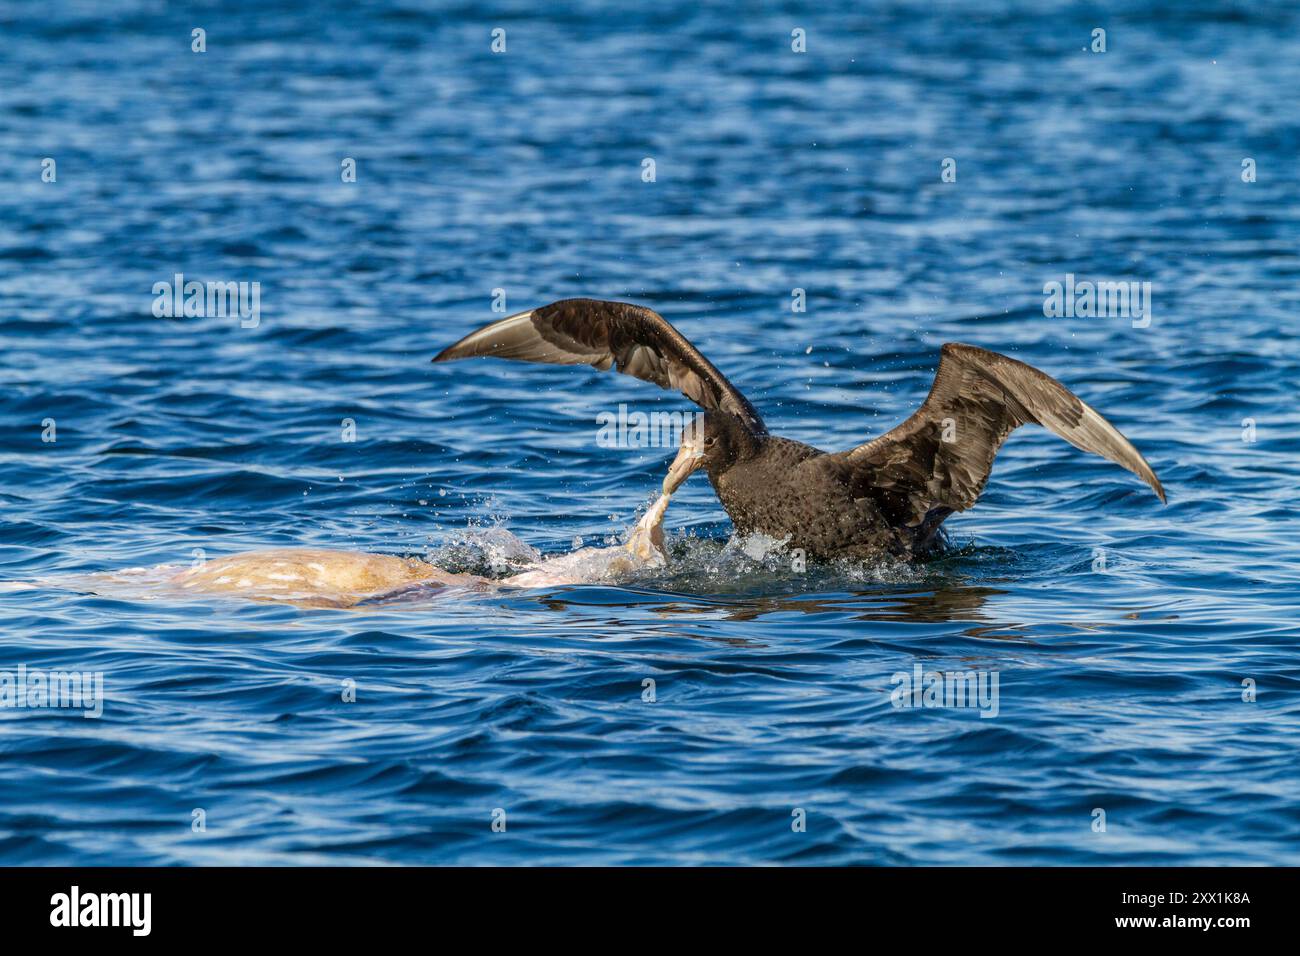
x=712, y=441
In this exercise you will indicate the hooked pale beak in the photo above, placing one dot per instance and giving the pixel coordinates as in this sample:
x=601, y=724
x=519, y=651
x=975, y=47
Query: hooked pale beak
x=689, y=457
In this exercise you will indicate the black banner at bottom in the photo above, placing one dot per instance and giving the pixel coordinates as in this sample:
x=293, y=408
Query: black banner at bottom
x=334, y=906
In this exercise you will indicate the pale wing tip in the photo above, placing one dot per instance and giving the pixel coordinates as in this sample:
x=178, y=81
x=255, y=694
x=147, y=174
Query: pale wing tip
x=482, y=341
x=453, y=352
x=1138, y=465
x=1149, y=476
x=1127, y=456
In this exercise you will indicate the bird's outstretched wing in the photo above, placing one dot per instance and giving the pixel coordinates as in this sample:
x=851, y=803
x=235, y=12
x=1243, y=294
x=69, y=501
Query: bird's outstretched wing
x=938, y=461
x=602, y=334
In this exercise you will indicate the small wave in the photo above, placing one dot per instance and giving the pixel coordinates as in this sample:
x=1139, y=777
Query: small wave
x=492, y=552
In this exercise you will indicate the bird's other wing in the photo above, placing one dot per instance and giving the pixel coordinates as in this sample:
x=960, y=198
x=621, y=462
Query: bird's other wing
x=939, y=459
x=633, y=339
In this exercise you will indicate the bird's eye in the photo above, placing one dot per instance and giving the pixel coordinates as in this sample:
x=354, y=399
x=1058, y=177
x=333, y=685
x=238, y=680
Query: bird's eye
x=708, y=442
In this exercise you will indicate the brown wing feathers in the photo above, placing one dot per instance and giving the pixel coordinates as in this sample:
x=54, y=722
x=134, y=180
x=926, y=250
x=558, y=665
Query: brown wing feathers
x=941, y=456
x=601, y=334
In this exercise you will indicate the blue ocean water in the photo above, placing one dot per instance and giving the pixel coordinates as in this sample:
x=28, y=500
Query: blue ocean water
x=1124, y=634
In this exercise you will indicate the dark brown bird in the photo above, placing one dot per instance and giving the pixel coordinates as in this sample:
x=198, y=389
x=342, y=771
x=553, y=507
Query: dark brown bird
x=889, y=495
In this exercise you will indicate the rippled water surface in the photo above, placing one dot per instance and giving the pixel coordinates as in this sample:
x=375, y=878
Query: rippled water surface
x=1121, y=631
